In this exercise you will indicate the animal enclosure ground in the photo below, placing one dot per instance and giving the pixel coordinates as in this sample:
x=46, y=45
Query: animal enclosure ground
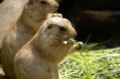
x=97, y=64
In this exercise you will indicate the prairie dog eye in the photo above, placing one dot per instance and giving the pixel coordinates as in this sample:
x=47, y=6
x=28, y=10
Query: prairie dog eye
x=49, y=27
x=43, y=2
x=62, y=29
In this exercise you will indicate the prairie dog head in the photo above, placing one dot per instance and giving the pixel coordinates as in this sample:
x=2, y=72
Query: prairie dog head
x=42, y=6
x=57, y=29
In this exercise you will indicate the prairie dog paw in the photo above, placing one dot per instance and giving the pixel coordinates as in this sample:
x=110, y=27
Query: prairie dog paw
x=71, y=41
x=55, y=15
x=80, y=44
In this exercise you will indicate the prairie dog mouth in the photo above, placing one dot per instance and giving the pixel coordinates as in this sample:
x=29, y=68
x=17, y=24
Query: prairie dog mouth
x=64, y=42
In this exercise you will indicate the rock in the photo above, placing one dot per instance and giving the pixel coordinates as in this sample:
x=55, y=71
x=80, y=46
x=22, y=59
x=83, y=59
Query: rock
x=10, y=11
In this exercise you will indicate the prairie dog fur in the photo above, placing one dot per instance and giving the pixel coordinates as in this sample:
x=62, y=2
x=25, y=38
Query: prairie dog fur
x=38, y=59
x=34, y=14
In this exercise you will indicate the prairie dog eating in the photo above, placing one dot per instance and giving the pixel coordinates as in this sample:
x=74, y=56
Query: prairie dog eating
x=38, y=59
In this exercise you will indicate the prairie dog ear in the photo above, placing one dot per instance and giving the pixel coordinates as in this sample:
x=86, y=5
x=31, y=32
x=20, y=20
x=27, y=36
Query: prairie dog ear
x=31, y=2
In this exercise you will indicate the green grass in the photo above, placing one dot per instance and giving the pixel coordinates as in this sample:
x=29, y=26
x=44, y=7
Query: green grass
x=94, y=64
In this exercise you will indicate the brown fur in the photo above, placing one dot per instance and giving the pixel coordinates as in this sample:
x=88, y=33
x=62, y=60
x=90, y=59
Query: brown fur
x=34, y=14
x=38, y=59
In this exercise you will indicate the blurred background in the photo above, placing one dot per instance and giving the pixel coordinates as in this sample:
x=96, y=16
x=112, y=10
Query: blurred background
x=96, y=21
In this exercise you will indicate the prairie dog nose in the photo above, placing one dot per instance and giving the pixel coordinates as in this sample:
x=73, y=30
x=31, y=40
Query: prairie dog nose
x=73, y=34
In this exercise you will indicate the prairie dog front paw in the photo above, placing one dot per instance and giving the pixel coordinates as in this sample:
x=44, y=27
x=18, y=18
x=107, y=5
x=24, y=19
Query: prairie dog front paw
x=55, y=15
x=71, y=41
x=79, y=45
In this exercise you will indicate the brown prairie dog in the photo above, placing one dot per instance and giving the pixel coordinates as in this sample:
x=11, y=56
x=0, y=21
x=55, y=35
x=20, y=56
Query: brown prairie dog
x=34, y=14
x=38, y=59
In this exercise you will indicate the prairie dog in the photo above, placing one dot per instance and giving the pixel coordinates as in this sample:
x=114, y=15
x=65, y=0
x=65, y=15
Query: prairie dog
x=34, y=14
x=38, y=59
